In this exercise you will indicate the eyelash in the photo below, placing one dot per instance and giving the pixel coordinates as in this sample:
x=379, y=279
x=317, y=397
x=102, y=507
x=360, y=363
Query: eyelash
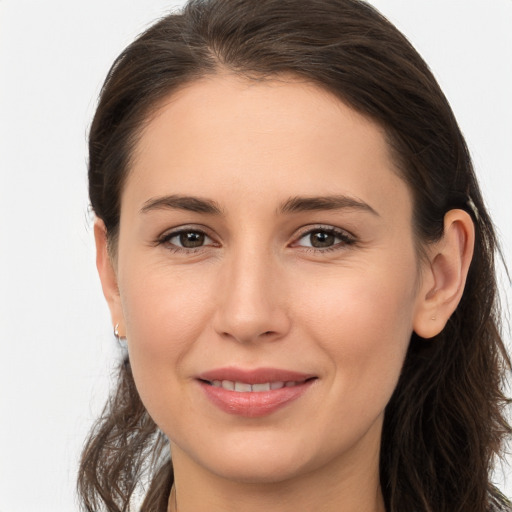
x=167, y=237
x=345, y=238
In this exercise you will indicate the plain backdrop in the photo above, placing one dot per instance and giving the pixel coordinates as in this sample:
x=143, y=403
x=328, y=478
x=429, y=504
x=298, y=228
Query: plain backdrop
x=57, y=350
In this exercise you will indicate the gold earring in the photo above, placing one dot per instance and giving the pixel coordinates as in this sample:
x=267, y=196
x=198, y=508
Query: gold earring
x=116, y=332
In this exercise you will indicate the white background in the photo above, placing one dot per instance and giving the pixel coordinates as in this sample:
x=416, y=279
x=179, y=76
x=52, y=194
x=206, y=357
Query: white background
x=56, y=346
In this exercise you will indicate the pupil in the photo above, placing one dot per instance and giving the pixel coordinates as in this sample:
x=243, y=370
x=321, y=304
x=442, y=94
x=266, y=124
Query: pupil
x=322, y=239
x=191, y=239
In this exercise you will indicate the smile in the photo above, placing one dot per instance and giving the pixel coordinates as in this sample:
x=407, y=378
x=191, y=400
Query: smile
x=254, y=393
x=244, y=387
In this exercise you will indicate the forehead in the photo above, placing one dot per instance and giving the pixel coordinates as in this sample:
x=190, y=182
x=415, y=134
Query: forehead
x=228, y=136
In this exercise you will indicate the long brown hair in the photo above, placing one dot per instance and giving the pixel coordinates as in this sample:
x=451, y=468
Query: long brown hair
x=445, y=423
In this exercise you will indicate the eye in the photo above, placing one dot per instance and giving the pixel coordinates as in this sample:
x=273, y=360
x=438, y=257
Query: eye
x=325, y=238
x=186, y=239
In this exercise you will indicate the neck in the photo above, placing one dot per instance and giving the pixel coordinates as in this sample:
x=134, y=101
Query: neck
x=348, y=485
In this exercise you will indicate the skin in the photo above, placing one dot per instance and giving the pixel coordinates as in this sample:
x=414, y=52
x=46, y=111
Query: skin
x=256, y=294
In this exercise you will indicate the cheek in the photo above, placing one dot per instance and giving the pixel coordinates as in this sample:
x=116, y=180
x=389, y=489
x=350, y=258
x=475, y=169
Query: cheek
x=162, y=304
x=165, y=314
x=363, y=325
x=363, y=329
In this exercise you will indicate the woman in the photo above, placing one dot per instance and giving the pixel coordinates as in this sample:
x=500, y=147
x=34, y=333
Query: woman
x=292, y=241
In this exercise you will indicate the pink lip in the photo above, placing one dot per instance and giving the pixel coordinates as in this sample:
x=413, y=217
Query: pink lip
x=254, y=404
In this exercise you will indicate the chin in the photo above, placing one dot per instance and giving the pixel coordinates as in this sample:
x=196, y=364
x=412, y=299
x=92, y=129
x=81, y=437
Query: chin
x=262, y=461
x=257, y=471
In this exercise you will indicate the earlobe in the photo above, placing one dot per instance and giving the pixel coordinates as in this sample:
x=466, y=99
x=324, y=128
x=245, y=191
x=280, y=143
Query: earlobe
x=107, y=274
x=443, y=284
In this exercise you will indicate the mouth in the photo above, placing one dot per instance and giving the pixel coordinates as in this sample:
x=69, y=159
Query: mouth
x=245, y=387
x=254, y=393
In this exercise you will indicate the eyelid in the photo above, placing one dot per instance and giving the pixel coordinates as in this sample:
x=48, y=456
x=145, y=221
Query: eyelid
x=346, y=237
x=170, y=233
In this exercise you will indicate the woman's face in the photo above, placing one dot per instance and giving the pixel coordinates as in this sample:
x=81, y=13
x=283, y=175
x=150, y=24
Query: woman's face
x=266, y=245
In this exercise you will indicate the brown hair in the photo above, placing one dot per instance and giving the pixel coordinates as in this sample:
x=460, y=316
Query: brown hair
x=445, y=424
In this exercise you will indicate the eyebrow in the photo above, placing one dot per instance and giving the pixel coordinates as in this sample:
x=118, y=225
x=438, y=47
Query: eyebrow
x=178, y=202
x=335, y=202
x=295, y=204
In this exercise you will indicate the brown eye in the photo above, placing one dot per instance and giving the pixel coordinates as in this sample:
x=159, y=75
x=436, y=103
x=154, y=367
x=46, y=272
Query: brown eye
x=325, y=238
x=191, y=239
x=186, y=239
x=321, y=239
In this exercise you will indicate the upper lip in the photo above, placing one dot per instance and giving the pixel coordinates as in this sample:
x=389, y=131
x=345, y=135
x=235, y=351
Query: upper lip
x=254, y=376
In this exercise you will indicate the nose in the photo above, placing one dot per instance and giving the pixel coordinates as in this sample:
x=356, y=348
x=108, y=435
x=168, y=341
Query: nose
x=252, y=300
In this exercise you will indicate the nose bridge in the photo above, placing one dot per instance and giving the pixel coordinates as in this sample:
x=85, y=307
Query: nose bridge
x=250, y=306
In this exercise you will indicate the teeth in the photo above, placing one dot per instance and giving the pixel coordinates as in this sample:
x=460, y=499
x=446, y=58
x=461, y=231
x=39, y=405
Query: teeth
x=243, y=387
x=227, y=384
x=261, y=387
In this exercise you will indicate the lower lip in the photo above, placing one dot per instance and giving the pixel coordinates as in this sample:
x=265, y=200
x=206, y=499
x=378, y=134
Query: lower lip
x=254, y=404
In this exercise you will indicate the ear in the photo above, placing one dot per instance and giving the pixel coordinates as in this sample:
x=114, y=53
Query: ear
x=444, y=276
x=108, y=277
